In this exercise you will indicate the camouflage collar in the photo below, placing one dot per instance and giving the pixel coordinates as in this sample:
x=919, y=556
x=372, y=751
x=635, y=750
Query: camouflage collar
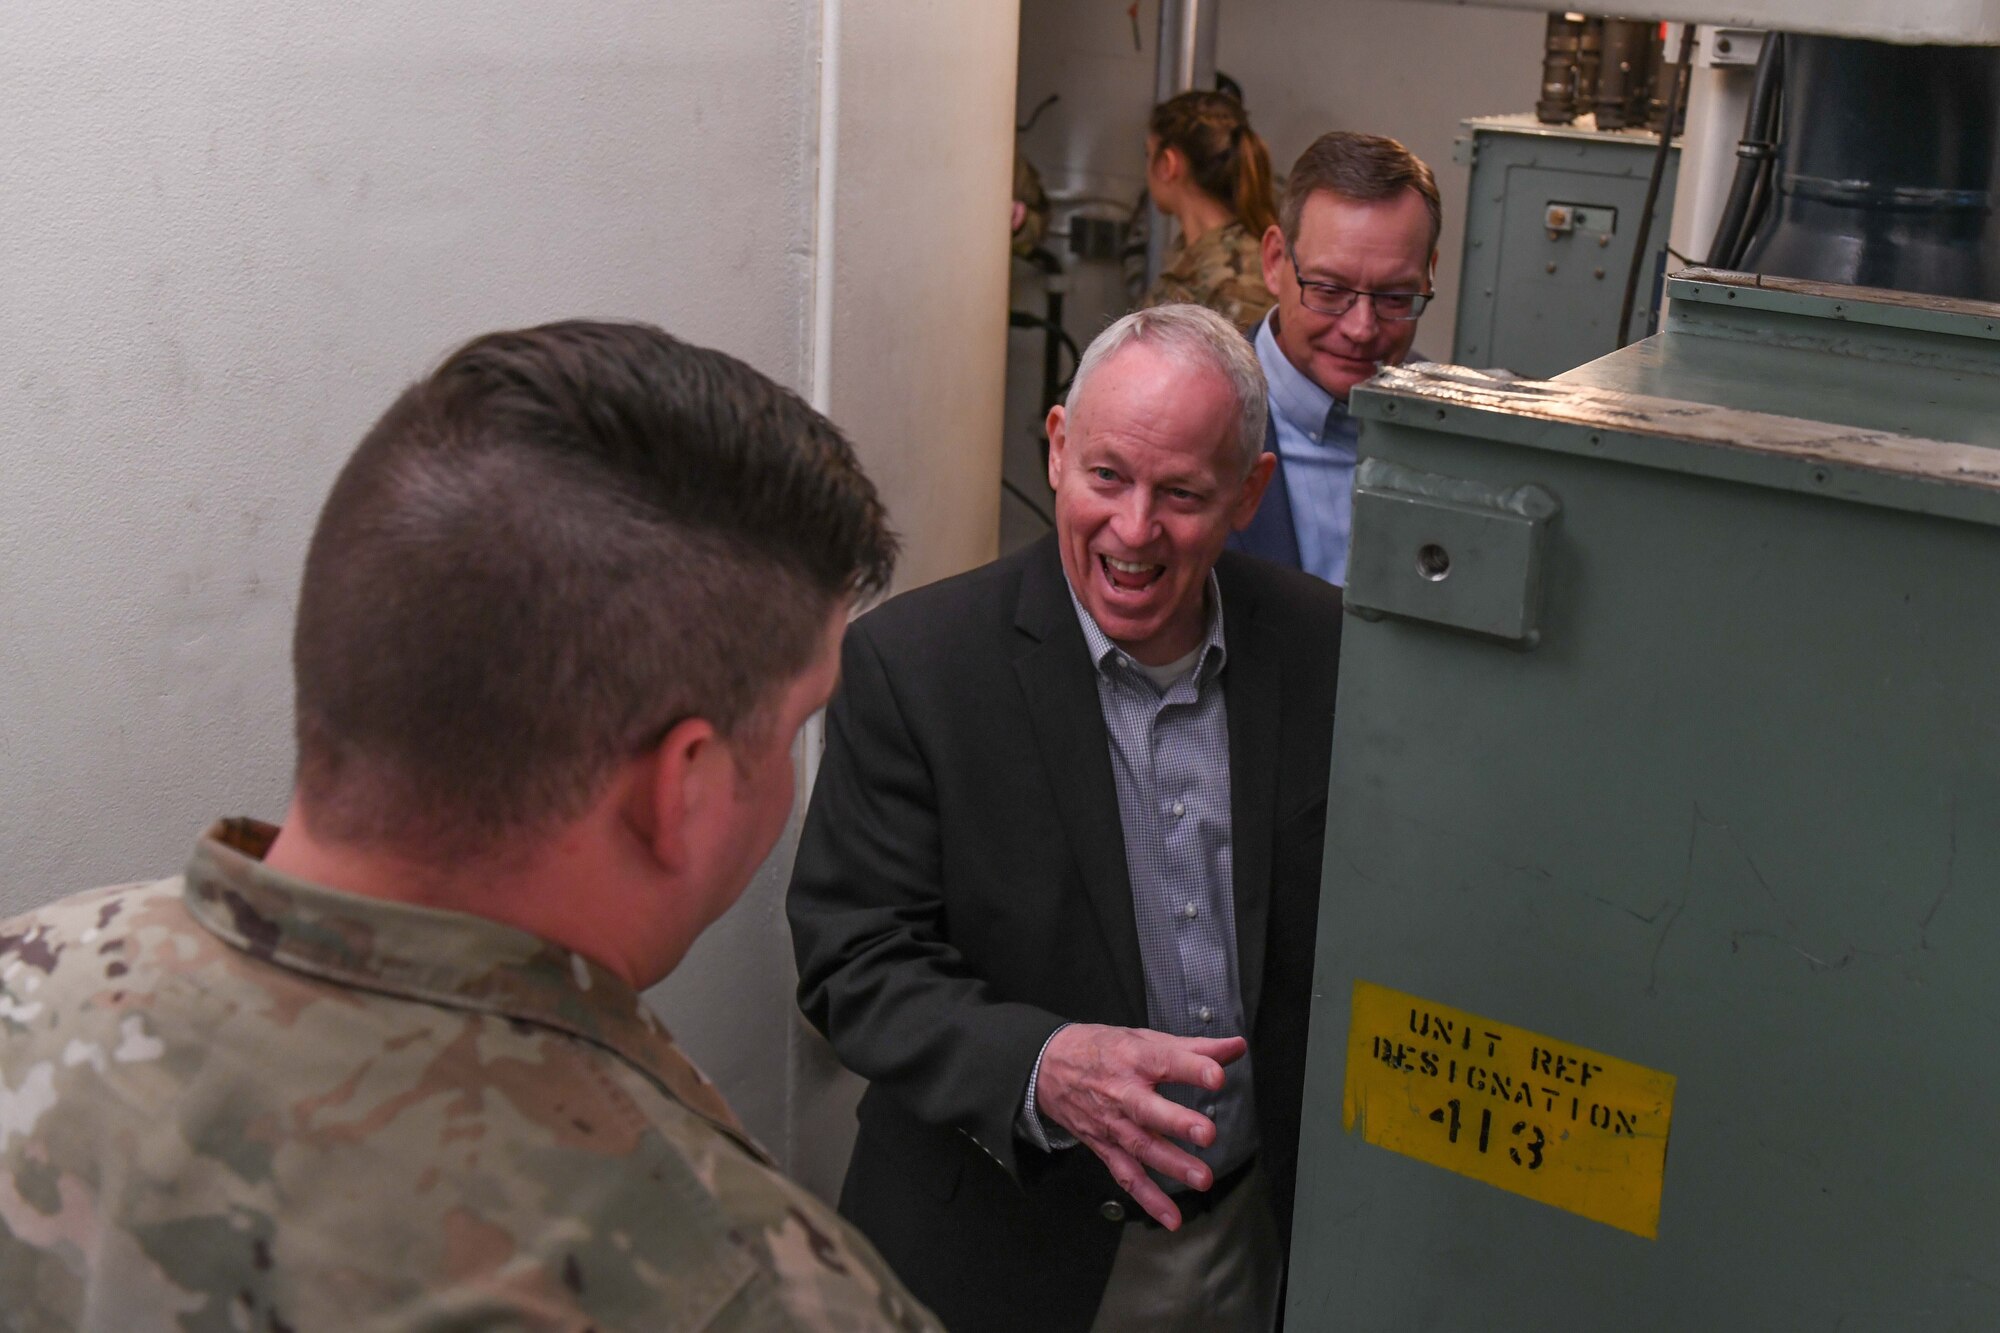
x=438, y=957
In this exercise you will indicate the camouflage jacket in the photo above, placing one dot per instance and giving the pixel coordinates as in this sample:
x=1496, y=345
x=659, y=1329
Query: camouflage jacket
x=237, y=1101
x=1028, y=192
x=1224, y=270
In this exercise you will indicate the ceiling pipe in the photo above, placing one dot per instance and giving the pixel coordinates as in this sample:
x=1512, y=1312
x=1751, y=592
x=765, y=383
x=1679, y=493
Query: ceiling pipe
x=1186, y=60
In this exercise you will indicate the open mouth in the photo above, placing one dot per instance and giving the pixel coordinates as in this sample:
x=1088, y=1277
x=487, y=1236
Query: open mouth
x=1128, y=575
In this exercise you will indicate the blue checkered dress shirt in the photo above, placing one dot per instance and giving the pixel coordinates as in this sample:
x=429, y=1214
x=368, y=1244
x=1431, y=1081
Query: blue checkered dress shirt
x=1170, y=761
x=1316, y=447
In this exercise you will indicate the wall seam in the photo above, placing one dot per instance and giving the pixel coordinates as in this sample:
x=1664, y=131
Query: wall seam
x=812, y=737
x=825, y=187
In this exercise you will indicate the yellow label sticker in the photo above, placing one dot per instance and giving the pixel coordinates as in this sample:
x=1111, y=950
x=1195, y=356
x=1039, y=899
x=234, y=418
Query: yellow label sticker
x=1543, y=1118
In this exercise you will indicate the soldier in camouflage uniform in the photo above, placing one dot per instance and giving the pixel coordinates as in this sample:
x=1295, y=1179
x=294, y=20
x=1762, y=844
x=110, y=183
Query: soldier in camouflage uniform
x=1223, y=269
x=1030, y=215
x=1210, y=172
x=432, y=1098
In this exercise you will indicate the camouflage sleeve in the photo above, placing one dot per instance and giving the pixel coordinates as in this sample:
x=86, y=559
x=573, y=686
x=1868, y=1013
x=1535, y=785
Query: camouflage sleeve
x=1170, y=289
x=824, y=1275
x=1242, y=300
x=1034, y=200
x=191, y=1138
x=1221, y=273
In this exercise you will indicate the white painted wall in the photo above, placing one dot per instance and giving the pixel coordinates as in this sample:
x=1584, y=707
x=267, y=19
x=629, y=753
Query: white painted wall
x=914, y=341
x=918, y=334
x=234, y=229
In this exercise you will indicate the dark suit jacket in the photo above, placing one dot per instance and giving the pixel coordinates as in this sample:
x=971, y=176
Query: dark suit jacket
x=961, y=890
x=1271, y=534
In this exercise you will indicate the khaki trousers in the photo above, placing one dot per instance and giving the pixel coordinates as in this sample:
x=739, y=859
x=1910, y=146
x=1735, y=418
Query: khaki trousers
x=1219, y=1273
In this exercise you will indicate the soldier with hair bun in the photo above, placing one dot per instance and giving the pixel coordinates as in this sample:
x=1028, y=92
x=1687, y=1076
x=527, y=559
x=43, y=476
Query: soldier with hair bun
x=1209, y=171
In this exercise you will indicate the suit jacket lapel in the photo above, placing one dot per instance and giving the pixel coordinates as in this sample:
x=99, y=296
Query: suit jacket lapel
x=1250, y=689
x=1061, y=690
x=1272, y=533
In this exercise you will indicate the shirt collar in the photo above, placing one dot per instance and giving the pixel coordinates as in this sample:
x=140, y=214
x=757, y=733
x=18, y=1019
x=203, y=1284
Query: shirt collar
x=1305, y=406
x=453, y=959
x=1103, y=652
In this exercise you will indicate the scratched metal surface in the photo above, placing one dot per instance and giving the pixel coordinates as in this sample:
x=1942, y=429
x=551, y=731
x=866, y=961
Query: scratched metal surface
x=1804, y=382
x=1736, y=818
x=1897, y=362
x=1878, y=304
x=1823, y=457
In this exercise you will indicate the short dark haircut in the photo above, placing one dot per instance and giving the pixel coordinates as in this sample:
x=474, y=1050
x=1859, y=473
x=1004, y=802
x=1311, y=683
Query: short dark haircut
x=1362, y=167
x=563, y=541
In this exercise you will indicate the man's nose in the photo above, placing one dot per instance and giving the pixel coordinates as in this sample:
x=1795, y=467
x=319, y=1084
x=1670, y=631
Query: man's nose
x=1132, y=525
x=1359, y=324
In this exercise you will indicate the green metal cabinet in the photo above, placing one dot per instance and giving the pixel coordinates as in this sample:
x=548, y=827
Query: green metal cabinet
x=1551, y=218
x=1669, y=726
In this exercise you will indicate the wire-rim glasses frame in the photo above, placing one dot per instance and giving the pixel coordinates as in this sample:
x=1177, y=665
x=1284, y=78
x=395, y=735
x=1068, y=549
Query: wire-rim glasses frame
x=1330, y=298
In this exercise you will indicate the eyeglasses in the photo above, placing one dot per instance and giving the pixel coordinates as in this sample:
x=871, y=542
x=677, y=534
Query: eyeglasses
x=1327, y=298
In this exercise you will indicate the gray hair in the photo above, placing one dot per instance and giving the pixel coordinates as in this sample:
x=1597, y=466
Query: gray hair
x=1199, y=335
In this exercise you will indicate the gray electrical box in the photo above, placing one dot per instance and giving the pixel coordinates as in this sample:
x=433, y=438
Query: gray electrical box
x=1552, y=215
x=1656, y=979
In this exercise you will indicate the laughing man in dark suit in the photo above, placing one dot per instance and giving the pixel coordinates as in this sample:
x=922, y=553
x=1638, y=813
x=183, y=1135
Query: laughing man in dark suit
x=1056, y=893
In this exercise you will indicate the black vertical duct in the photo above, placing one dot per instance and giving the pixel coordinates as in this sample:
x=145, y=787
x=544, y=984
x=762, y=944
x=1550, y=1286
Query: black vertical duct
x=1886, y=169
x=1589, y=59
x=1557, y=104
x=1624, y=76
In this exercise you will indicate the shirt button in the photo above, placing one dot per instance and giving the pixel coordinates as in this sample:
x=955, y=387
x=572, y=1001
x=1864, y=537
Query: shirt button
x=1209, y=1110
x=1111, y=1210
x=1180, y=808
x=1206, y=1013
x=1188, y=911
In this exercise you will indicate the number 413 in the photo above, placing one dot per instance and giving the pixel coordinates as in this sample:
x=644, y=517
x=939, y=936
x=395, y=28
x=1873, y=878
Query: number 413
x=1527, y=1153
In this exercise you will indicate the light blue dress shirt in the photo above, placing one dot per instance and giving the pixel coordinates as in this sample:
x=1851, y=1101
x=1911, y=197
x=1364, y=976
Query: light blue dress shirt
x=1316, y=439
x=1170, y=764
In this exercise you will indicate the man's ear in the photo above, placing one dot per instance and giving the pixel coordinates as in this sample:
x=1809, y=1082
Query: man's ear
x=1057, y=428
x=1252, y=494
x=1273, y=255
x=674, y=790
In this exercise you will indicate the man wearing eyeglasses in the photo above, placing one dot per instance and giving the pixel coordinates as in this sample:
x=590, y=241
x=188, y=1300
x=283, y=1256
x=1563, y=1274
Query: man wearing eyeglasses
x=1351, y=262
